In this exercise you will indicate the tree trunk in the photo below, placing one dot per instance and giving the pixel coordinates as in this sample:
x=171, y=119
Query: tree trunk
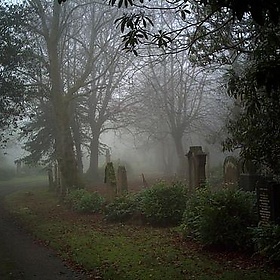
x=50, y=177
x=94, y=157
x=64, y=142
x=182, y=168
x=78, y=145
x=166, y=155
x=70, y=178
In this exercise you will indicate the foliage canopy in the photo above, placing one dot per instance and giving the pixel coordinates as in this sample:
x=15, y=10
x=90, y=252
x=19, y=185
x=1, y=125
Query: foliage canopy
x=15, y=61
x=256, y=130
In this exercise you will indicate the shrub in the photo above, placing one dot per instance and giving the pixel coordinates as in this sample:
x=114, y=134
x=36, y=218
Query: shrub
x=73, y=197
x=84, y=202
x=122, y=209
x=220, y=218
x=266, y=239
x=192, y=217
x=162, y=204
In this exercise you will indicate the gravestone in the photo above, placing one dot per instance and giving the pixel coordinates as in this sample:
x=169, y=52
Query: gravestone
x=248, y=182
x=248, y=177
x=268, y=197
x=122, y=180
x=207, y=166
x=145, y=183
x=108, y=156
x=110, y=181
x=197, y=162
x=231, y=171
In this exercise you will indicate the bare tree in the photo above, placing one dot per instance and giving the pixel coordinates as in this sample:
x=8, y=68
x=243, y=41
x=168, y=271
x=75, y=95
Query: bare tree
x=176, y=99
x=83, y=77
x=108, y=101
x=68, y=38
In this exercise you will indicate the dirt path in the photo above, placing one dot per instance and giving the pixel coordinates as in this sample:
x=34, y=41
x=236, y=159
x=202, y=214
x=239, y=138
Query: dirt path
x=22, y=258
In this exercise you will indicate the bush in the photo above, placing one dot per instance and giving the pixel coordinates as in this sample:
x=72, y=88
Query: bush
x=266, y=239
x=162, y=204
x=83, y=201
x=192, y=217
x=121, y=209
x=220, y=218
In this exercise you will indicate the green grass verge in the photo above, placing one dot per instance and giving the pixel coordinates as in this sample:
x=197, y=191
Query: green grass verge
x=116, y=251
x=35, y=180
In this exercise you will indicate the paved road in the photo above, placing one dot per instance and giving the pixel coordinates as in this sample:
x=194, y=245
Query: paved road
x=23, y=259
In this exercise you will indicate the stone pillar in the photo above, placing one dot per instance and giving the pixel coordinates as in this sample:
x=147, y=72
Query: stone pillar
x=197, y=162
x=122, y=180
x=110, y=181
x=201, y=175
x=231, y=172
x=108, y=156
x=145, y=183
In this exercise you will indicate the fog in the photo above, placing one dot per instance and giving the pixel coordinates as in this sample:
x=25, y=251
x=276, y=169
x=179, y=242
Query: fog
x=144, y=158
x=139, y=157
x=89, y=96
x=12, y=151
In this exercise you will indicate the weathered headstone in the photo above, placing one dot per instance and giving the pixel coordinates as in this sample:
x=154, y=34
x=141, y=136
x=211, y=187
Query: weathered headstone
x=145, y=183
x=247, y=182
x=108, y=156
x=122, y=180
x=207, y=166
x=248, y=176
x=268, y=197
x=110, y=181
x=197, y=162
x=231, y=171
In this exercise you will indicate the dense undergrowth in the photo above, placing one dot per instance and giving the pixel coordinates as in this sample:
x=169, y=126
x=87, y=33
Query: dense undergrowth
x=222, y=218
x=225, y=218
x=134, y=246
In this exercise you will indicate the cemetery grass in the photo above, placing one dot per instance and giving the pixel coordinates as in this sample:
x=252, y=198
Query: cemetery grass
x=23, y=181
x=123, y=251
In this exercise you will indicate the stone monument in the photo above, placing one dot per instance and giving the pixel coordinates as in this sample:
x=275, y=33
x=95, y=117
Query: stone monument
x=231, y=171
x=268, y=197
x=197, y=162
x=110, y=181
x=122, y=180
